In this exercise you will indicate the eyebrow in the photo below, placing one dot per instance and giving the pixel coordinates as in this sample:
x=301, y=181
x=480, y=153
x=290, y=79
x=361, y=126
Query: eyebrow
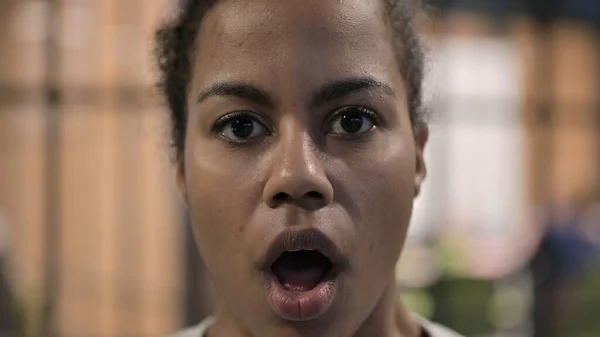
x=241, y=90
x=326, y=93
x=341, y=88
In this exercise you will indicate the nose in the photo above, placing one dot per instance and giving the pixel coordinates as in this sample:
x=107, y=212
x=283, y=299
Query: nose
x=298, y=177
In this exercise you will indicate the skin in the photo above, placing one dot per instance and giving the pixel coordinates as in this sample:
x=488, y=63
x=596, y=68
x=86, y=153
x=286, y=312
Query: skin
x=359, y=192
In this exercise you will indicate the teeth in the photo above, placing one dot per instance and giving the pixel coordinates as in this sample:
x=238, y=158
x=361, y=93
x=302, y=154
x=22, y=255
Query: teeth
x=297, y=250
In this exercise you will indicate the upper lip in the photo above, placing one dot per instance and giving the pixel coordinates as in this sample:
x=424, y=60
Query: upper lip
x=305, y=239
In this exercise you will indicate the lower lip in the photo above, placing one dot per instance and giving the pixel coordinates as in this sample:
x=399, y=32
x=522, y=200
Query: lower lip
x=300, y=306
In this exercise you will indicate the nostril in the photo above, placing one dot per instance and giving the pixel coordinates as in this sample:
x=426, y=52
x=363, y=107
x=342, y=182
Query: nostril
x=314, y=195
x=281, y=196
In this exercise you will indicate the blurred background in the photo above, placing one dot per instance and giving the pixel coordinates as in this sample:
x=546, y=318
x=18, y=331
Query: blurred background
x=505, y=236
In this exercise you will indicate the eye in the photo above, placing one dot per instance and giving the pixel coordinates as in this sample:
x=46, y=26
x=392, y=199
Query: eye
x=240, y=127
x=353, y=121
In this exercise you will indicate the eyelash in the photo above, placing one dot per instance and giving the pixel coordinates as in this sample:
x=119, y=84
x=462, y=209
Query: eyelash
x=220, y=124
x=370, y=114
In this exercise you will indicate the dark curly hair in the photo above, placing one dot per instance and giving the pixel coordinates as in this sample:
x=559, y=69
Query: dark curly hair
x=175, y=41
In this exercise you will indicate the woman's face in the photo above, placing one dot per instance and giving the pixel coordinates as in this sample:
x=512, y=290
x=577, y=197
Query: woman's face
x=300, y=164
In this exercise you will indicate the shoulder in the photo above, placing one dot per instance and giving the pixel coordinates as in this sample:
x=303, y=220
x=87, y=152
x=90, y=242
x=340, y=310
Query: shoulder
x=436, y=330
x=195, y=331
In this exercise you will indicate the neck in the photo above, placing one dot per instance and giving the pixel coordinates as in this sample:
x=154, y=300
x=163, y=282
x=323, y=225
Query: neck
x=387, y=319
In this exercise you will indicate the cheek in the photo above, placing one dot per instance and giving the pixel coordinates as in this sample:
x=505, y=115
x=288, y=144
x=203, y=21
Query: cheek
x=222, y=194
x=388, y=190
x=390, y=206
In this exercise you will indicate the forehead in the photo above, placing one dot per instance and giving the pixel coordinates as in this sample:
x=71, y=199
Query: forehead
x=277, y=41
x=242, y=19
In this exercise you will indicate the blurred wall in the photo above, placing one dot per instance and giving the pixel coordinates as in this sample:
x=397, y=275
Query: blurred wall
x=116, y=227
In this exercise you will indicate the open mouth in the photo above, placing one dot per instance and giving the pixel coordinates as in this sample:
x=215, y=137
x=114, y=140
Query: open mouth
x=301, y=270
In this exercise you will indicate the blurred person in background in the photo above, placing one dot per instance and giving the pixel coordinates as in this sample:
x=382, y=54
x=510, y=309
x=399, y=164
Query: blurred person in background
x=565, y=253
x=590, y=223
x=8, y=324
x=299, y=134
